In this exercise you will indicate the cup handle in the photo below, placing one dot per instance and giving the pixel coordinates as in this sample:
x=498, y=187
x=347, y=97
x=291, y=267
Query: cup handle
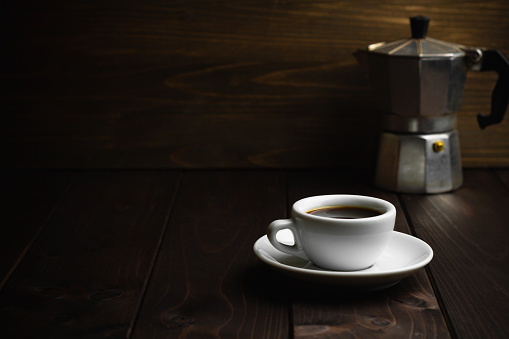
x=296, y=249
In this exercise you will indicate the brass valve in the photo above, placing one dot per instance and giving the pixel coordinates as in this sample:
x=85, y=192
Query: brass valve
x=438, y=146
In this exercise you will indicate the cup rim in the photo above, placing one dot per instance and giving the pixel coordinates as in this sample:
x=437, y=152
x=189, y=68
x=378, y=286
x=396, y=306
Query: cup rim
x=387, y=207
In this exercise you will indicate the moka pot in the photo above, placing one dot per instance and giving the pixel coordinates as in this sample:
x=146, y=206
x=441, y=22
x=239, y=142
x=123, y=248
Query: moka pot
x=418, y=88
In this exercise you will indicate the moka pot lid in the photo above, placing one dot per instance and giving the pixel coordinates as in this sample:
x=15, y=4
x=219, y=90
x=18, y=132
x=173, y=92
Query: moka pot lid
x=418, y=46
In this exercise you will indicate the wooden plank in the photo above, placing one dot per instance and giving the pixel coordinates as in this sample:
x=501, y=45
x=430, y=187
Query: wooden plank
x=172, y=84
x=504, y=176
x=207, y=281
x=28, y=200
x=468, y=230
x=407, y=309
x=85, y=275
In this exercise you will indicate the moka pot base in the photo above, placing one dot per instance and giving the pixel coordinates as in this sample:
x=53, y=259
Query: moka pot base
x=419, y=163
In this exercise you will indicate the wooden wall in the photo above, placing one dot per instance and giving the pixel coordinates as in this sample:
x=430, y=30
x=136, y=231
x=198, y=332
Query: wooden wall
x=218, y=84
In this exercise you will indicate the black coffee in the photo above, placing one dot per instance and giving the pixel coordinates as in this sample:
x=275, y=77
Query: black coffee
x=344, y=212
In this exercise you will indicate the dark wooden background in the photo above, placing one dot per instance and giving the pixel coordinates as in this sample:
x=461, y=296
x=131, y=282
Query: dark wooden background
x=218, y=84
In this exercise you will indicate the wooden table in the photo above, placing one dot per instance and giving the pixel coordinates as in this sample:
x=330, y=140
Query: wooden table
x=168, y=254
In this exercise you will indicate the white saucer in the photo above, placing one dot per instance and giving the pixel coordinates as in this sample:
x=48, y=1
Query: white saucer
x=404, y=255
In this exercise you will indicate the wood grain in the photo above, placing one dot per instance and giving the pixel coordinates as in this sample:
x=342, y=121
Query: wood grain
x=504, y=176
x=207, y=281
x=29, y=200
x=85, y=275
x=468, y=230
x=243, y=84
x=408, y=309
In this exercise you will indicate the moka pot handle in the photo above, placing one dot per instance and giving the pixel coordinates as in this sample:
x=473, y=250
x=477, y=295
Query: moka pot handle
x=495, y=60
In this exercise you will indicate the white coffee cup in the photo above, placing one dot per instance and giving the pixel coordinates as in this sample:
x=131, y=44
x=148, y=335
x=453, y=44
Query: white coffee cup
x=337, y=243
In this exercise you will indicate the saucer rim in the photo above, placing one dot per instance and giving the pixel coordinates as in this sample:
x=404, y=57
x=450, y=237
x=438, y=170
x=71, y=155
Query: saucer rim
x=353, y=274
